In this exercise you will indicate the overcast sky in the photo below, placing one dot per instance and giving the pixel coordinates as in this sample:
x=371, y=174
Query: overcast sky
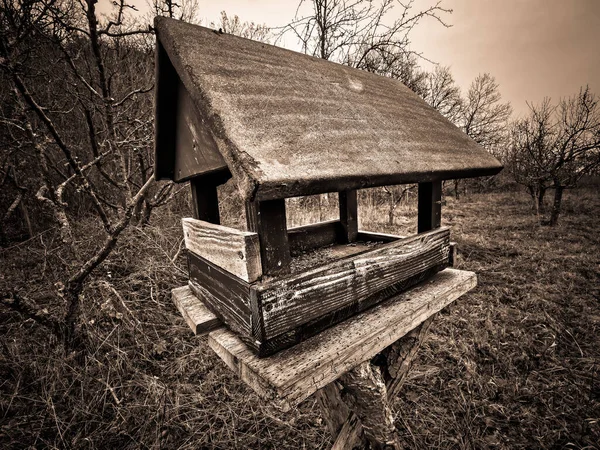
x=534, y=48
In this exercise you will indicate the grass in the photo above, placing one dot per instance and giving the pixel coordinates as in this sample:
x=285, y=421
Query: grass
x=514, y=364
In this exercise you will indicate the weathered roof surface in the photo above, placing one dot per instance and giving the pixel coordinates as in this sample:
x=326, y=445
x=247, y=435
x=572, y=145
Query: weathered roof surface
x=288, y=124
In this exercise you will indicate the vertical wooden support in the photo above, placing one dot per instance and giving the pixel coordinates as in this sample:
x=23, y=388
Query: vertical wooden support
x=395, y=363
x=267, y=218
x=430, y=206
x=365, y=393
x=349, y=215
x=205, y=202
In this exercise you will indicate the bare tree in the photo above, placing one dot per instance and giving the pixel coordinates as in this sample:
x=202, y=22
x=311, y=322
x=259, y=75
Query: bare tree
x=358, y=32
x=442, y=93
x=81, y=115
x=555, y=146
x=483, y=116
x=527, y=158
x=248, y=30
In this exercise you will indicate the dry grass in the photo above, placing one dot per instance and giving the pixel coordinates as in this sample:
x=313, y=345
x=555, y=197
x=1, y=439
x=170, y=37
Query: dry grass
x=513, y=365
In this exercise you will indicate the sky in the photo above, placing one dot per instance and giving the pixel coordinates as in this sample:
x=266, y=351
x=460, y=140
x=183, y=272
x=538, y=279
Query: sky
x=534, y=48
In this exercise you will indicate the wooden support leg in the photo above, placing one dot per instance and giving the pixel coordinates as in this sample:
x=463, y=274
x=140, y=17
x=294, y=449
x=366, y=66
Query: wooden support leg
x=205, y=202
x=349, y=215
x=268, y=220
x=364, y=391
x=430, y=206
x=362, y=397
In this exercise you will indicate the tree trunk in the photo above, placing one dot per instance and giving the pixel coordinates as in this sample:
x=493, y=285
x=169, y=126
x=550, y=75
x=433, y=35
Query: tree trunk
x=456, y=191
x=558, y=193
x=540, y=199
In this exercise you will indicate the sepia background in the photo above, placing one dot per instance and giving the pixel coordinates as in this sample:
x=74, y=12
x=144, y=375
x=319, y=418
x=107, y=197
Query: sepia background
x=93, y=354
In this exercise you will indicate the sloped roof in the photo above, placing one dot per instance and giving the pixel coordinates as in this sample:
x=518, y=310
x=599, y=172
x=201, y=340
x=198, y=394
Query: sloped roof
x=288, y=124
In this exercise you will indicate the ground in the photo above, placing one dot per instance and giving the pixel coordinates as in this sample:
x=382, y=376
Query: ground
x=513, y=364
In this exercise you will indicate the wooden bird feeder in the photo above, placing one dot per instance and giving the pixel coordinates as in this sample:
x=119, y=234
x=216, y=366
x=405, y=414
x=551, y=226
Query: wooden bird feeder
x=284, y=124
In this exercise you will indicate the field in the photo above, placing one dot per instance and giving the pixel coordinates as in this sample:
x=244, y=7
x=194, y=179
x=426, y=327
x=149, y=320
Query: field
x=514, y=364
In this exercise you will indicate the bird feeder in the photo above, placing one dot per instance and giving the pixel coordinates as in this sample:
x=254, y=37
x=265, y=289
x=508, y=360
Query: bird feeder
x=283, y=124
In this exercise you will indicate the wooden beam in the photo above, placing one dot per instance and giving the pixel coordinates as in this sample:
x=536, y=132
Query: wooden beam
x=268, y=220
x=195, y=313
x=430, y=206
x=205, y=201
x=349, y=215
x=237, y=252
x=369, y=236
x=292, y=375
x=310, y=237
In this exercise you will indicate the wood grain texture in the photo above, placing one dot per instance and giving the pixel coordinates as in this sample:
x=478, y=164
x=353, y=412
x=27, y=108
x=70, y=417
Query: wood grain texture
x=227, y=296
x=193, y=310
x=364, y=391
x=268, y=220
x=237, y=252
x=292, y=375
x=300, y=298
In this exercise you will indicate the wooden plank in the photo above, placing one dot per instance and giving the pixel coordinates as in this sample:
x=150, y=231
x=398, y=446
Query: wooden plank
x=309, y=237
x=269, y=221
x=349, y=215
x=196, y=151
x=295, y=300
x=369, y=236
x=197, y=316
x=205, y=201
x=430, y=206
x=225, y=295
x=166, y=91
x=235, y=251
x=292, y=375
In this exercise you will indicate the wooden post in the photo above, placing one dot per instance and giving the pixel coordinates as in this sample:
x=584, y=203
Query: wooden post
x=349, y=215
x=395, y=363
x=430, y=206
x=268, y=219
x=205, y=202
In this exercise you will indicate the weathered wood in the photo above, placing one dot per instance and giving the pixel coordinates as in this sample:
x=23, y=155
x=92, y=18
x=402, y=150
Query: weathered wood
x=283, y=312
x=453, y=252
x=333, y=409
x=353, y=282
x=205, y=201
x=350, y=436
x=369, y=236
x=196, y=152
x=291, y=125
x=309, y=237
x=268, y=220
x=364, y=391
x=401, y=355
x=292, y=375
x=430, y=206
x=226, y=295
x=193, y=310
x=237, y=252
x=349, y=215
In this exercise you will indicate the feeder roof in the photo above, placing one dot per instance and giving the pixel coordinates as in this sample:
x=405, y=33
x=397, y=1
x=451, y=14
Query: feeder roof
x=287, y=124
